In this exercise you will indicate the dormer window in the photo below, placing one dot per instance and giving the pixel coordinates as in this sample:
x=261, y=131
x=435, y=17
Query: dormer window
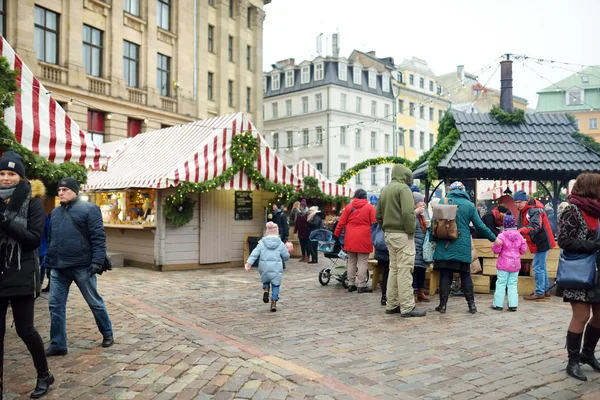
x=357, y=72
x=289, y=79
x=372, y=80
x=575, y=97
x=585, y=79
x=342, y=72
x=385, y=83
x=275, y=84
x=319, y=72
x=305, y=75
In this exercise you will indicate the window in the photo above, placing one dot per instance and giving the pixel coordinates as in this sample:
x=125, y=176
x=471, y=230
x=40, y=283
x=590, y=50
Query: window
x=134, y=127
x=288, y=108
x=385, y=84
x=373, y=175
x=320, y=167
x=275, y=108
x=439, y=89
x=249, y=58
x=276, y=141
x=210, y=86
x=357, y=76
x=289, y=78
x=342, y=136
x=440, y=115
x=211, y=3
x=411, y=138
x=46, y=35
x=248, y=99
x=401, y=106
x=305, y=75
x=387, y=176
x=305, y=104
x=431, y=112
x=95, y=128
x=575, y=97
x=422, y=112
x=318, y=101
x=411, y=109
x=576, y=123
x=230, y=49
x=585, y=79
x=358, y=178
x=3, y=18
x=373, y=108
x=164, y=14
x=411, y=79
x=422, y=140
x=249, y=18
x=132, y=7
x=264, y=84
x=342, y=168
x=386, y=111
x=163, y=74
x=343, y=101
x=131, y=60
x=275, y=84
x=357, y=139
x=92, y=50
x=359, y=105
x=211, y=39
x=431, y=86
x=386, y=142
x=319, y=75
x=422, y=83
x=593, y=123
x=373, y=140
x=342, y=72
x=230, y=93
x=431, y=140
x=372, y=80
x=319, y=135
x=305, y=138
x=290, y=139
x=401, y=137
x=231, y=8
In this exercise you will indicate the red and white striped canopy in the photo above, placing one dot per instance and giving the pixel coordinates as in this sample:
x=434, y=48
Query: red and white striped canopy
x=496, y=190
x=305, y=168
x=195, y=152
x=40, y=123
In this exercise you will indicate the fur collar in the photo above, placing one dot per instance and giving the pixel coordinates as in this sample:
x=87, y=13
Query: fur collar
x=37, y=189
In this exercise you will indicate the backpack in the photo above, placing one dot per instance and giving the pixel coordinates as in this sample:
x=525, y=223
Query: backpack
x=444, y=221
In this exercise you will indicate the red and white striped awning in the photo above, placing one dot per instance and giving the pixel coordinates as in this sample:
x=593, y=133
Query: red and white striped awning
x=305, y=168
x=195, y=152
x=496, y=190
x=40, y=123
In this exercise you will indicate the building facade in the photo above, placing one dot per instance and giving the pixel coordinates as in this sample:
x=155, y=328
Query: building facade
x=578, y=95
x=334, y=112
x=122, y=67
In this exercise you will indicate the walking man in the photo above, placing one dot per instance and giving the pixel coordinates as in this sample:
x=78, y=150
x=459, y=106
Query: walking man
x=396, y=216
x=535, y=228
x=76, y=253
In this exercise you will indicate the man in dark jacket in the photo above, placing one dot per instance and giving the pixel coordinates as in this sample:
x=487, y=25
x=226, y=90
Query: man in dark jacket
x=493, y=219
x=281, y=220
x=535, y=228
x=76, y=253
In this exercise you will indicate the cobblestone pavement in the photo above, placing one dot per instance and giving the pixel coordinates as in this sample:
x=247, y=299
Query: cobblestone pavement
x=207, y=335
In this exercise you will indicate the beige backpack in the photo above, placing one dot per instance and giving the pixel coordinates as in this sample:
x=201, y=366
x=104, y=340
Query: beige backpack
x=444, y=221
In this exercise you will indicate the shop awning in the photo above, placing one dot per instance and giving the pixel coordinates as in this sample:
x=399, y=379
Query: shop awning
x=195, y=152
x=40, y=123
x=305, y=168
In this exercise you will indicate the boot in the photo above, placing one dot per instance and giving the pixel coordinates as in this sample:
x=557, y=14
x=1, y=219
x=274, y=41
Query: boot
x=444, y=293
x=590, y=340
x=43, y=386
x=573, y=346
x=273, y=306
x=383, y=300
x=421, y=296
x=469, y=291
x=266, y=295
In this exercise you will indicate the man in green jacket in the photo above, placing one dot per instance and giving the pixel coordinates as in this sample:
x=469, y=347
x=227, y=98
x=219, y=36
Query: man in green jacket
x=396, y=216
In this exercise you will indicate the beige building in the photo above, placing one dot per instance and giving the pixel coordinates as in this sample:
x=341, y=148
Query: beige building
x=122, y=67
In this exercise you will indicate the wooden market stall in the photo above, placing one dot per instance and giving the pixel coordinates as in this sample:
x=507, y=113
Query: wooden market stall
x=147, y=171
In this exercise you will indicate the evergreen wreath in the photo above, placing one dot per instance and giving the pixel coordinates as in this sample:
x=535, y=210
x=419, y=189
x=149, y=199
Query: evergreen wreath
x=506, y=118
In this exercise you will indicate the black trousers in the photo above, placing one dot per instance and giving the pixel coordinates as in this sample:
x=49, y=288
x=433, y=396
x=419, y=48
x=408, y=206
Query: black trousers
x=304, y=243
x=22, y=307
x=386, y=273
x=314, y=253
x=446, y=276
x=419, y=278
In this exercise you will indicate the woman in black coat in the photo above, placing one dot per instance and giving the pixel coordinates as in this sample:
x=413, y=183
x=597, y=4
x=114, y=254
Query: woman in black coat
x=22, y=219
x=314, y=222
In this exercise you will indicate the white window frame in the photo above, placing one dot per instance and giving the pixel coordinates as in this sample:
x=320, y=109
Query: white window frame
x=372, y=80
x=431, y=114
x=275, y=141
x=387, y=175
x=319, y=136
x=343, y=167
x=305, y=137
x=431, y=140
x=358, y=182
x=319, y=71
x=373, y=140
x=290, y=140
x=411, y=138
x=400, y=106
x=288, y=107
x=411, y=109
x=318, y=101
x=275, y=82
x=386, y=142
x=357, y=76
x=373, y=175
x=305, y=104
x=431, y=86
x=373, y=108
x=593, y=125
x=275, y=110
x=343, y=136
x=264, y=84
x=385, y=84
x=359, y=105
x=386, y=111
x=357, y=138
x=305, y=74
x=343, y=102
x=570, y=93
x=421, y=140
x=289, y=79
x=342, y=71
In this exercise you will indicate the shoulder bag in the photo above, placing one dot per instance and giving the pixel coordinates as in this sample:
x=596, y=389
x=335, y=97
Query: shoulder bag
x=107, y=265
x=576, y=270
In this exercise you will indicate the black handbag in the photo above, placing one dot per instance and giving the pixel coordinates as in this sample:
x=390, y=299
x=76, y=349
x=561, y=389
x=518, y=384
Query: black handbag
x=577, y=271
x=107, y=265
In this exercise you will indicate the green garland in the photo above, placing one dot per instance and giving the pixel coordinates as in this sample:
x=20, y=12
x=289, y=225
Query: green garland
x=311, y=190
x=368, y=163
x=506, y=118
x=36, y=166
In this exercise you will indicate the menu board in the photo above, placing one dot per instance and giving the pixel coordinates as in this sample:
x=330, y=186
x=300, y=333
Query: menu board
x=243, y=205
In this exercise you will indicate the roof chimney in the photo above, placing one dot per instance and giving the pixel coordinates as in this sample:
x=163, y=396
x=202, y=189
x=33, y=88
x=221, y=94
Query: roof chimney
x=286, y=62
x=335, y=44
x=372, y=53
x=460, y=73
x=506, y=86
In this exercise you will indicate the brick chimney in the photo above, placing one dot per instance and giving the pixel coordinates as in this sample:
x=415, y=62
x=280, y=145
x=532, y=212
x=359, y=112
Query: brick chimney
x=286, y=62
x=460, y=72
x=506, y=86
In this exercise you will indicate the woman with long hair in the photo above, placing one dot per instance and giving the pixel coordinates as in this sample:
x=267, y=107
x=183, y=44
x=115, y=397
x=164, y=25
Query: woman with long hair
x=578, y=233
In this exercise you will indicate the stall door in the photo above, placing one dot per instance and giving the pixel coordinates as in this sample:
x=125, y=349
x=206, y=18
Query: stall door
x=216, y=218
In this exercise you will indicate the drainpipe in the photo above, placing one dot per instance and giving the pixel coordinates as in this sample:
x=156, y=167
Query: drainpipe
x=328, y=135
x=195, y=49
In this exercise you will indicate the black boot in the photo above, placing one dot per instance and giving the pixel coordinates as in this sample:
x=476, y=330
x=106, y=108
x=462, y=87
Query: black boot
x=383, y=300
x=469, y=291
x=590, y=340
x=43, y=386
x=444, y=293
x=573, y=346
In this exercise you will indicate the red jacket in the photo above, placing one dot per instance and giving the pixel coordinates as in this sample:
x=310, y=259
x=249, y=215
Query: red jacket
x=358, y=225
x=535, y=227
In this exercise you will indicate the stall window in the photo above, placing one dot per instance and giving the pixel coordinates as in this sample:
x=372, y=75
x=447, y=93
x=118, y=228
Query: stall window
x=134, y=127
x=95, y=128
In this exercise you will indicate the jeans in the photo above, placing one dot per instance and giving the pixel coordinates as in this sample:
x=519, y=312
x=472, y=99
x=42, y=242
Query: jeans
x=386, y=273
x=540, y=273
x=304, y=243
x=419, y=278
x=57, y=301
x=506, y=280
x=402, y=260
x=312, y=250
x=274, y=290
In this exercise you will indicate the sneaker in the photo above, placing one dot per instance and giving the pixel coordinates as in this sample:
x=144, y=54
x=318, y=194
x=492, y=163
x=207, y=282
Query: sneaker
x=50, y=352
x=414, y=313
x=493, y=307
x=383, y=300
x=548, y=294
x=393, y=311
x=535, y=297
x=266, y=296
x=513, y=309
x=352, y=288
x=107, y=341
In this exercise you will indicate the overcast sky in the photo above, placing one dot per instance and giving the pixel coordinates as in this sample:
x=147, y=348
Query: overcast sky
x=444, y=33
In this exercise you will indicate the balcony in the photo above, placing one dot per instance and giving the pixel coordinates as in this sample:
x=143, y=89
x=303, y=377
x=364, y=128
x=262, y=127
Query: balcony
x=53, y=73
x=137, y=96
x=98, y=85
x=169, y=105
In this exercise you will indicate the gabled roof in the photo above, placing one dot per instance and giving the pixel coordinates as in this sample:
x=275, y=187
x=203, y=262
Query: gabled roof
x=541, y=148
x=588, y=78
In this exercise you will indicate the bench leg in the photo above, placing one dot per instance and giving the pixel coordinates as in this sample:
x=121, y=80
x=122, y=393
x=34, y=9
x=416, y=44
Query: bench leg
x=377, y=273
x=434, y=282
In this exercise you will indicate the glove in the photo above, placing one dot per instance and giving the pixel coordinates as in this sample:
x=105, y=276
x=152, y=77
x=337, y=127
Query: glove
x=96, y=269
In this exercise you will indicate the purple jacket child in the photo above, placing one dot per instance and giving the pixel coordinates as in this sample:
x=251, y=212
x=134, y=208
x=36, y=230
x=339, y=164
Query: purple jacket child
x=513, y=245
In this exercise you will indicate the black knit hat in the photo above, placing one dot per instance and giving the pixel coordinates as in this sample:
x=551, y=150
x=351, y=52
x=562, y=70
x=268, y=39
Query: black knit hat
x=12, y=161
x=70, y=183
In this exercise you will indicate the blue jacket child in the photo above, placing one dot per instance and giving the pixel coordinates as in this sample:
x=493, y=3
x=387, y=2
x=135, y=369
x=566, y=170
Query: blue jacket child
x=271, y=253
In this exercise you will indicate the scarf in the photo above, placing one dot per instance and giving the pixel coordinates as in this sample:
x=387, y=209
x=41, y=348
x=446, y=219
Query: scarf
x=311, y=215
x=590, y=206
x=422, y=223
x=301, y=212
x=15, y=207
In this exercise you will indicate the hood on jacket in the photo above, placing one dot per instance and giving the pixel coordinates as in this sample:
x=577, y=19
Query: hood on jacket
x=271, y=242
x=532, y=203
x=459, y=194
x=512, y=235
x=402, y=174
x=37, y=189
x=359, y=203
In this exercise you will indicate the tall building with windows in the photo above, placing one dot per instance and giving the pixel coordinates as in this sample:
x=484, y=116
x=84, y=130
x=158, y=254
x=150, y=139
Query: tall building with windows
x=122, y=67
x=333, y=111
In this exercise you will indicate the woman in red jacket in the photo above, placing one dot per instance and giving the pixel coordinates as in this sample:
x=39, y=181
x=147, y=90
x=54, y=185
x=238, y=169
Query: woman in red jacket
x=358, y=217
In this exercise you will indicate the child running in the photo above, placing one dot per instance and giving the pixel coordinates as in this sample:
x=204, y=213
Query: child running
x=509, y=264
x=271, y=253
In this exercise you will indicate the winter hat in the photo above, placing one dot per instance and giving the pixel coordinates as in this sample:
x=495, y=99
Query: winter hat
x=521, y=196
x=12, y=161
x=70, y=183
x=509, y=222
x=272, y=229
x=303, y=202
x=457, y=186
x=360, y=194
x=415, y=189
x=418, y=197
